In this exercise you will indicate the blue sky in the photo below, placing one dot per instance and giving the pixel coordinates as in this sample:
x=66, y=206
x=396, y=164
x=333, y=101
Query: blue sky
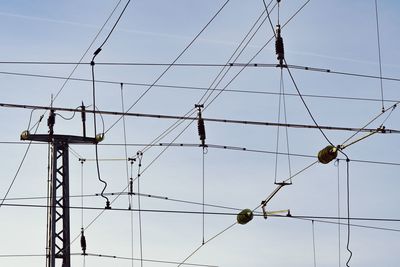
x=336, y=35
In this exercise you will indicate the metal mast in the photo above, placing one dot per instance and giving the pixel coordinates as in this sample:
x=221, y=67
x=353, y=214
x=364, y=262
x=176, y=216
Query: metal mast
x=58, y=216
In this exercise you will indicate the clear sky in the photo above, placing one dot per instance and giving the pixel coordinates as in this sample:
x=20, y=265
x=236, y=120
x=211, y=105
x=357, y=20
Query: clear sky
x=329, y=34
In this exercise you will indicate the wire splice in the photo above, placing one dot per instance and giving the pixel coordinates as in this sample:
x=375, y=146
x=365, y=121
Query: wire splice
x=279, y=48
x=200, y=126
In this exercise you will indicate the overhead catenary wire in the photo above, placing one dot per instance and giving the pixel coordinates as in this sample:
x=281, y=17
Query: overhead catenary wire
x=334, y=220
x=234, y=77
x=306, y=106
x=338, y=213
x=379, y=52
x=107, y=256
x=391, y=108
x=279, y=50
x=130, y=195
x=244, y=149
x=48, y=198
x=288, y=153
x=125, y=139
x=194, y=65
x=92, y=64
x=235, y=56
x=151, y=163
x=176, y=124
x=199, y=212
x=231, y=121
x=128, y=179
x=19, y=166
x=321, y=219
x=313, y=243
x=83, y=237
x=252, y=58
x=215, y=146
x=87, y=50
x=156, y=158
x=207, y=241
x=236, y=222
x=202, y=135
x=149, y=260
x=282, y=96
x=203, y=192
x=111, y=31
x=348, y=210
x=68, y=78
x=187, y=87
x=107, y=206
x=172, y=63
x=229, y=64
x=139, y=173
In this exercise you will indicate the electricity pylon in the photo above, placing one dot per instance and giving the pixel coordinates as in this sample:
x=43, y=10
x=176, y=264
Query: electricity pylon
x=58, y=216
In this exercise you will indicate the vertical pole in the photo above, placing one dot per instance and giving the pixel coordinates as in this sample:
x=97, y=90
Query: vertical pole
x=52, y=208
x=65, y=196
x=59, y=221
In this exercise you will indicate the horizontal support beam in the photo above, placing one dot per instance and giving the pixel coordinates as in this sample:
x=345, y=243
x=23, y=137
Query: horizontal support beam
x=230, y=121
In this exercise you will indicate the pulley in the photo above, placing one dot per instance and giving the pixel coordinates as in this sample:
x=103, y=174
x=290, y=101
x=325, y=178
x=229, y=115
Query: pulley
x=244, y=216
x=327, y=154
